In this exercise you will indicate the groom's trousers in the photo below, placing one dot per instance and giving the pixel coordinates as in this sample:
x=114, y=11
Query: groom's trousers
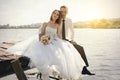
x=81, y=51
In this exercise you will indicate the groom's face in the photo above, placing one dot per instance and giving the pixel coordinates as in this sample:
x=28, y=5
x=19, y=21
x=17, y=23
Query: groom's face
x=64, y=12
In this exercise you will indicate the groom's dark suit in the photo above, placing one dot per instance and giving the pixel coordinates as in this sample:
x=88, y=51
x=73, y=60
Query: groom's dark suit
x=79, y=48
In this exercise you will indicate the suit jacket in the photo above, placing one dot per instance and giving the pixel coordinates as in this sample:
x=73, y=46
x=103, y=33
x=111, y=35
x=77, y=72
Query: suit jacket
x=69, y=29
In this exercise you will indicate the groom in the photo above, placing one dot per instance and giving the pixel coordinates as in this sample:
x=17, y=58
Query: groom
x=67, y=24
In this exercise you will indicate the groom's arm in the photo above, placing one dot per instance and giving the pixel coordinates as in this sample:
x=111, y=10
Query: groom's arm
x=71, y=27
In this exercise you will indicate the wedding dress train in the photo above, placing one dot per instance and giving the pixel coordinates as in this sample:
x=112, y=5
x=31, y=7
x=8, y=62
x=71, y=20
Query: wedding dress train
x=59, y=55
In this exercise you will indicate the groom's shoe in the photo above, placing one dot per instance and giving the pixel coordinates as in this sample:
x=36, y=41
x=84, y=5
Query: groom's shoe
x=85, y=71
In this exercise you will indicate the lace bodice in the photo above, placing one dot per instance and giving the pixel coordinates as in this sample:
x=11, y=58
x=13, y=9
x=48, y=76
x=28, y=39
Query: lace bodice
x=51, y=32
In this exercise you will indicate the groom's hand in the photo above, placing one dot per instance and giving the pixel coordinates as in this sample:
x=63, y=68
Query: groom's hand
x=73, y=42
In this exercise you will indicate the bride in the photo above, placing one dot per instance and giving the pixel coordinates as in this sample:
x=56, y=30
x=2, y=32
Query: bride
x=51, y=55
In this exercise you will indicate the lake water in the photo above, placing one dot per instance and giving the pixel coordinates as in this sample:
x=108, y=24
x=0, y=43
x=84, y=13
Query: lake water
x=102, y=47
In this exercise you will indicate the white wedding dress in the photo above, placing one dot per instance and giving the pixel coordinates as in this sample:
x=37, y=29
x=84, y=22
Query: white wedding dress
x=59, y=55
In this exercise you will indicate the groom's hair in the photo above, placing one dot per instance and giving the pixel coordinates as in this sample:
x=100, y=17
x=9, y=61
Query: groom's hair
x=64, y=7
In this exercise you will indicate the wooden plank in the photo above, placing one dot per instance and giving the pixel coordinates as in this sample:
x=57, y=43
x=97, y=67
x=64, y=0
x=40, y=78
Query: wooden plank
x=18, y=70
x=4, y=55
x=6, y=45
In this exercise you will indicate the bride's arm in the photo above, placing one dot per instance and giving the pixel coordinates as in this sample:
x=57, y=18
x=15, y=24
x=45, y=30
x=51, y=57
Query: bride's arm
x=59, y=32
x=42, y=30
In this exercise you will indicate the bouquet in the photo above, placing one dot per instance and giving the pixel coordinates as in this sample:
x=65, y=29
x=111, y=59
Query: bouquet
x=45, y=39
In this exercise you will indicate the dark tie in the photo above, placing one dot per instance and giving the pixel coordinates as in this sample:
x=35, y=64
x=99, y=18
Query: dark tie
x=63, y=29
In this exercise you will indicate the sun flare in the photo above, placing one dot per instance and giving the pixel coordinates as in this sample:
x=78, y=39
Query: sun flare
x=92, y=13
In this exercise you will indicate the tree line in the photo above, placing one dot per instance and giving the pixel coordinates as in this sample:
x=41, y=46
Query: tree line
x=99, y=23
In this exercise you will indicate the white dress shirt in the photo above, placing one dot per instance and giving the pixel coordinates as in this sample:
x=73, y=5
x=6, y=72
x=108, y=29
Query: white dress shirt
x=69, y=29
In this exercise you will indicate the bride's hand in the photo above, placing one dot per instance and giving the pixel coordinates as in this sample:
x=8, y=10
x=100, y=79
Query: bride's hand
x=40, y=35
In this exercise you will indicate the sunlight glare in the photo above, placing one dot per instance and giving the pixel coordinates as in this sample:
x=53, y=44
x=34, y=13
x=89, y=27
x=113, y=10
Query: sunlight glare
x=92, y=13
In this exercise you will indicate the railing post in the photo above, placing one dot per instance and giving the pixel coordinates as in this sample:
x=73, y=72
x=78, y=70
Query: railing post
x=18, y=70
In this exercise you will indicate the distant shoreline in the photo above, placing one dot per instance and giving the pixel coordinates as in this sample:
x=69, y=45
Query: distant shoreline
x=21, y=28
x=93, y=24
x=74, y=27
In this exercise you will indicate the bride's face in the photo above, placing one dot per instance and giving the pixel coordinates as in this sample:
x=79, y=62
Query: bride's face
x=55, y=15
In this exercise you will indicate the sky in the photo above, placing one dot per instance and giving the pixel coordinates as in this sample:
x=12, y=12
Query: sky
x=23, y=12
